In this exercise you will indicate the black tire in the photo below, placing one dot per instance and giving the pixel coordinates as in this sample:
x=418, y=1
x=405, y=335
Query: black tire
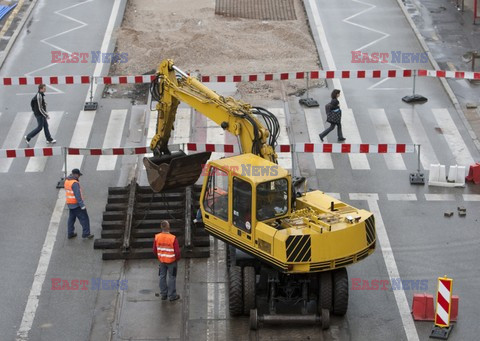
x=248, y=289
x=325, y=319
x=325, y=292
x=235, y=288
x=253, y=319
x=340, y=292
x=227, y=256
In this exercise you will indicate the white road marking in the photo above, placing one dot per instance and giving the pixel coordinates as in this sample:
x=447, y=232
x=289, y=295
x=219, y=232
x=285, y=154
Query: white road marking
x=314, y=119
x=335, y=195
x=402, y=197
x=471, y=197
x=182, y=131
x=113, y=138
x=47, y=249
x=15, y=137
x=215, y=135
x=81, y=135
x=385, y=135
x=284, y=159
x=400, y=297
x=40, y=273
x=358, y=161
x=419, y=136
x=454, y=139
x=439, y=197
x=37, y=164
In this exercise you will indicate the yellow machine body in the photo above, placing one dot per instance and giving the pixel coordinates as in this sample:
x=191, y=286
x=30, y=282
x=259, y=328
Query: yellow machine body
x=322, y=233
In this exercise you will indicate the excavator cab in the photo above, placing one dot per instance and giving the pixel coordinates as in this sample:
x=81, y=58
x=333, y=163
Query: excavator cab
x=174, y=170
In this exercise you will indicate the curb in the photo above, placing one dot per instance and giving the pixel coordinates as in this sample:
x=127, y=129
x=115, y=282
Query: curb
x=444, y=82
x=15, y=34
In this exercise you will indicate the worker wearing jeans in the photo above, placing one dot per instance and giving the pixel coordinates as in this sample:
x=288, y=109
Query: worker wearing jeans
x=165, y=247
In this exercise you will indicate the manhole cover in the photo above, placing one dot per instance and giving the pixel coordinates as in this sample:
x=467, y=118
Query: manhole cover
x=257, y=9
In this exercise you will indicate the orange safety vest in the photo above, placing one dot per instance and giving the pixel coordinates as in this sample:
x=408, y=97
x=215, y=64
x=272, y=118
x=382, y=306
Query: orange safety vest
x=165, y=249
x=69, y=195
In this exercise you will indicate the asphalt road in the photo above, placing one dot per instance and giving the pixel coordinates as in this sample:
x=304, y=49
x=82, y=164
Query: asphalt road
x=416, y=241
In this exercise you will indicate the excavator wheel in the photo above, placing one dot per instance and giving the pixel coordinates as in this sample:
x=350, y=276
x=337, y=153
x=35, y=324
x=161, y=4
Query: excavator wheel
x=340, y=292
x=235, y=288
x=253, y=319
x=325, y=319
x=325, y=295
x=248, y=289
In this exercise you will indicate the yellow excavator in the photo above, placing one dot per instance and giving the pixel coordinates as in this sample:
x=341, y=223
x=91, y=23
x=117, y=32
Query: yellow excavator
x=287, y=251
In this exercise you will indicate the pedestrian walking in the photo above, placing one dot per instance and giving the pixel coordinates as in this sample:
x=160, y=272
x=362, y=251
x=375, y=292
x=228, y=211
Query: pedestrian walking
x=74, y=199
x=39, y=107
x=334, y=117
x=165, y=247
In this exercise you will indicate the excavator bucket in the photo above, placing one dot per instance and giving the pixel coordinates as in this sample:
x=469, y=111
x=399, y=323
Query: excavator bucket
x=175, y=170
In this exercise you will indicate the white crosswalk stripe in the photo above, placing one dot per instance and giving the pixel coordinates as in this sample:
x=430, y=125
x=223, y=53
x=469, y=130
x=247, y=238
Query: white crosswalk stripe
x=284, y=159
x=81, y=135
x=385, y=135
x=15, y=135
x=37, y=164
x=315, y=126
x=113, y=138
x=350, y=131
x=419, y=136
x=453, y=137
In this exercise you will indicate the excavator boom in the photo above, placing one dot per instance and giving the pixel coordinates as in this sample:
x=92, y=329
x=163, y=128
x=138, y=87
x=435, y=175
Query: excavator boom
x=168, y=170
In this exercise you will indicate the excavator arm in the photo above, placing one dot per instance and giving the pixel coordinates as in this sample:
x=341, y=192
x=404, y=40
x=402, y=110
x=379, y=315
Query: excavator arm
x=172, y=86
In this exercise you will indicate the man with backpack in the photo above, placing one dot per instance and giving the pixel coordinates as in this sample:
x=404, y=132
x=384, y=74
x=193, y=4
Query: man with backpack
x=39, y=107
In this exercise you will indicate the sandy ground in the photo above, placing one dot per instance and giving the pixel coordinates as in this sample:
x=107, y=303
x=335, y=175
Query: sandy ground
x=196, y=39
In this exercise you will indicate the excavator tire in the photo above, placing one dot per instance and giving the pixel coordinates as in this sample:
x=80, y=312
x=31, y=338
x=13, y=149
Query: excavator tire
x=235, y=287
x=340, y=292
x=248, y=289
x=325, y=319
x=325, y=295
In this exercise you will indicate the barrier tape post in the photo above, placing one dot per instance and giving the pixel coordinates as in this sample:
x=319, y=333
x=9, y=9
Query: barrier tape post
x=308, y=102
x=417, y=178
x=61, y=183
x=90, y=106
x=414, y=98
x=442, y=328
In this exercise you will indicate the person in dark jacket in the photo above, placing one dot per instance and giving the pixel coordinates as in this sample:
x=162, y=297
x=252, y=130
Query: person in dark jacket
x=39, y=107
x=76, y=205
x=336, y=114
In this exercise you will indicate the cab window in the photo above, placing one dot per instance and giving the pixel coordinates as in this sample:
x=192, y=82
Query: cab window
x=215, y=200
x=272, y=199
x=242, y=204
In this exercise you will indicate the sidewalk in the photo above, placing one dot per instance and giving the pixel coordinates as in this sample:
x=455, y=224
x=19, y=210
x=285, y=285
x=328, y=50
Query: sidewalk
x=12, y=24
x=451, y=37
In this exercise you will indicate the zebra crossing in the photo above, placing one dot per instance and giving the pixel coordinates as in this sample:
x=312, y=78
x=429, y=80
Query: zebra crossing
x=434, y=129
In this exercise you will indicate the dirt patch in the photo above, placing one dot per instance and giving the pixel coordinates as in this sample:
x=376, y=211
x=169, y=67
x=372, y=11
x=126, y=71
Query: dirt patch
x=196, y=39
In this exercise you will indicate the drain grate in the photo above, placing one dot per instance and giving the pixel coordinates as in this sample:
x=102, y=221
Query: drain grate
x=257, y=9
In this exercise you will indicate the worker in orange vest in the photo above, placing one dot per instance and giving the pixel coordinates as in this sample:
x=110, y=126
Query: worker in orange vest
x=165, y=247
x=76, y=206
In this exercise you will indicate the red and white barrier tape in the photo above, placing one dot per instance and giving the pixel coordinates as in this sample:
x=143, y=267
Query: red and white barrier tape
x=218, y=148
x=345, y=74
x=30, y=152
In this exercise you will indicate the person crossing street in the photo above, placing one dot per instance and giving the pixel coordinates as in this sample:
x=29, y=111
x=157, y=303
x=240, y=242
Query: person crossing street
x=76, y=205
x=39, y=107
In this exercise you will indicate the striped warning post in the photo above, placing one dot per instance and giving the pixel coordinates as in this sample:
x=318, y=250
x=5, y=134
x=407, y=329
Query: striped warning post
x=444, y=302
